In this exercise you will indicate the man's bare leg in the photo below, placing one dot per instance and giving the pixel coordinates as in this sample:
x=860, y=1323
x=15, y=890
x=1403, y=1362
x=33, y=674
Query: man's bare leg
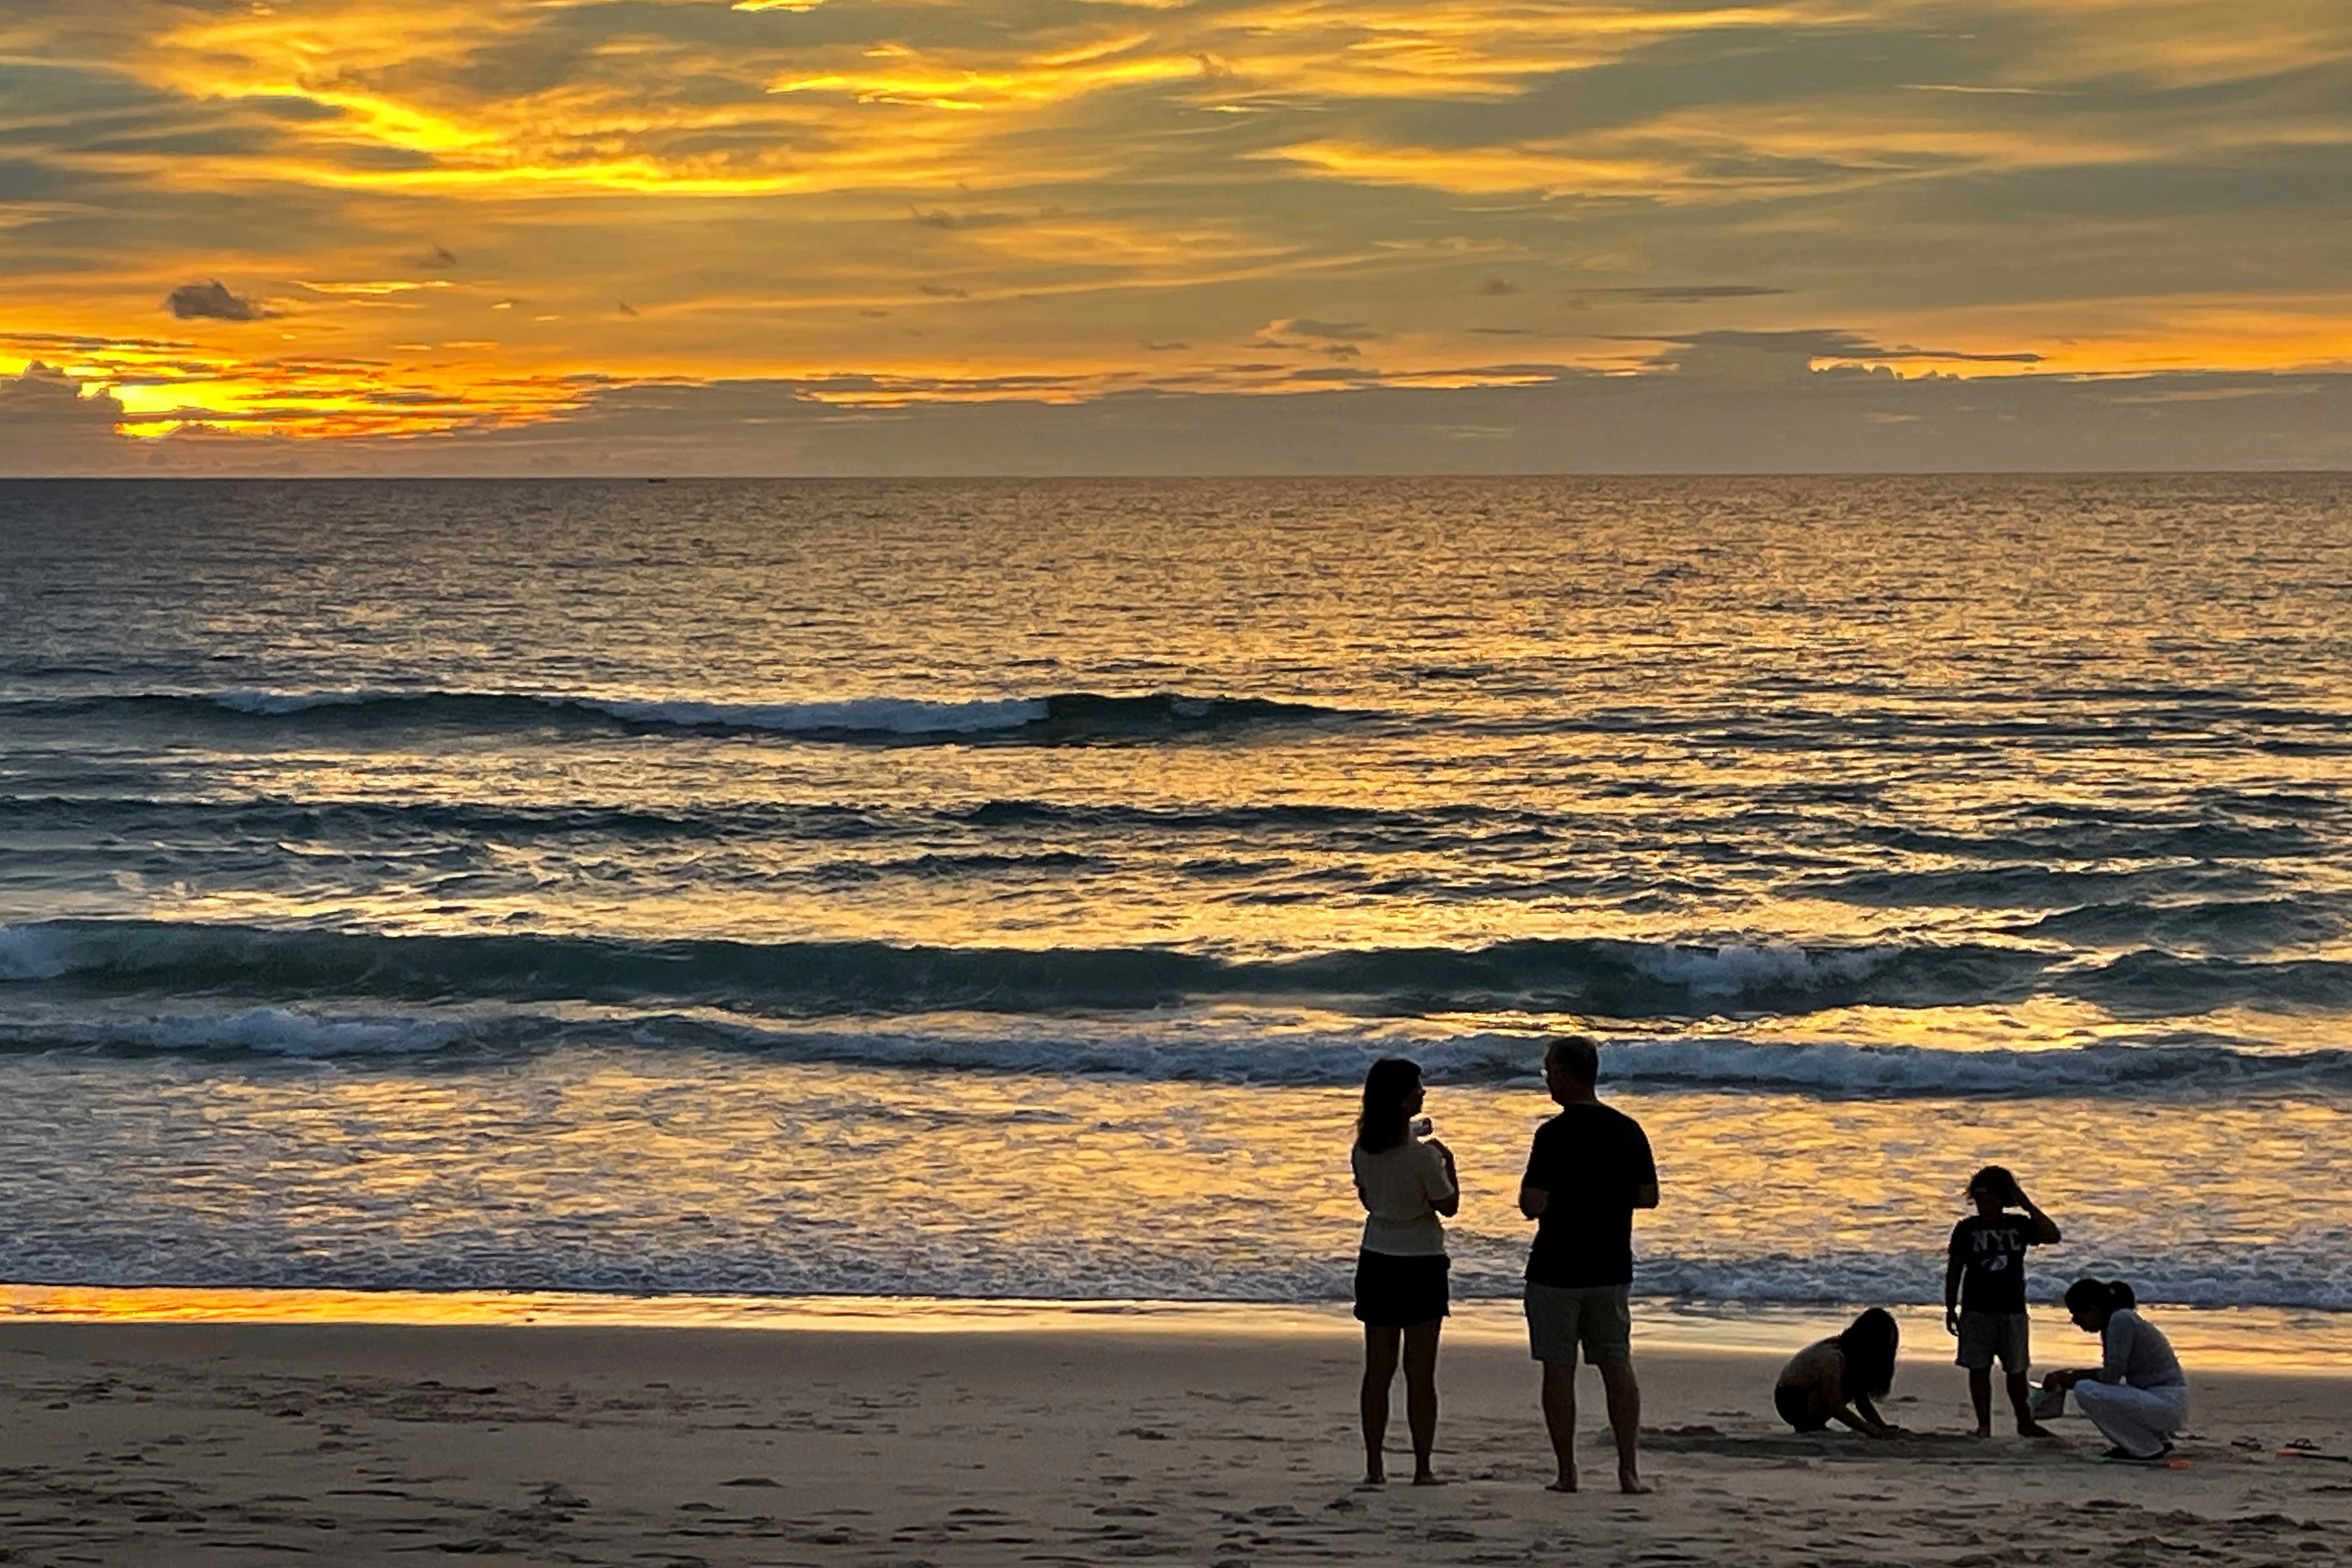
x=1559, y=1420
x=1626, y=1422
x=1379, y=1370
x=1421, y=1394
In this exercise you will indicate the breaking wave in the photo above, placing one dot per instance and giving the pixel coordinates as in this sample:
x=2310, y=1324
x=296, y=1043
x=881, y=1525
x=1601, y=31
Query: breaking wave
x=1609, y=978
x=1060, y=718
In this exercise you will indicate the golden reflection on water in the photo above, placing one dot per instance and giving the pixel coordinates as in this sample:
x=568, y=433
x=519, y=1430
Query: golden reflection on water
x=721, y=1173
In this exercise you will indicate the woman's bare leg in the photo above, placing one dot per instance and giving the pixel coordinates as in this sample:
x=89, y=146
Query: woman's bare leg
x=1379, y=1371
x=1421, y=1394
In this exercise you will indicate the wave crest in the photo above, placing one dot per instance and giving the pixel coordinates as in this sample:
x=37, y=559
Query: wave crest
x=1588, y=976
x=1065, y=717
x=1223, y=1052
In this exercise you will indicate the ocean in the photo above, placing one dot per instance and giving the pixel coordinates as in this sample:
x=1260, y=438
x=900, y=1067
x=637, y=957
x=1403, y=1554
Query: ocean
x=998, y=889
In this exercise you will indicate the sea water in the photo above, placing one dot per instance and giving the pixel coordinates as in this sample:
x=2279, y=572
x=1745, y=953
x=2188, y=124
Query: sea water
x=998, y=889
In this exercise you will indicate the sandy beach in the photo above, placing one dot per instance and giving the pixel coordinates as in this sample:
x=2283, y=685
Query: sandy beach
x=174, y=1443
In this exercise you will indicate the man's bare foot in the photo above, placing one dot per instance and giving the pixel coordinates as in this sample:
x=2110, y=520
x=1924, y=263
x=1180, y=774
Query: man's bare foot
x=1426, y=1479
x=1566, y=1483
x=2033, y=1429
x=1376, y=1477
x=1981, y=1432
x=1632, y=1485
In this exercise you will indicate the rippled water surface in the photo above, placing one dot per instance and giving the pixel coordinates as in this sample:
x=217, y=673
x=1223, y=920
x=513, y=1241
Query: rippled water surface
x=993, y=888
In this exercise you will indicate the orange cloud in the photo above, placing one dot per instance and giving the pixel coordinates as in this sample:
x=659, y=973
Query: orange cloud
x=425, y=217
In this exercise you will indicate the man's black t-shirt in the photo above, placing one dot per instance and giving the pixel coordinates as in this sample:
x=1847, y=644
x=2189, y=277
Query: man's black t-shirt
x=1990, y=1251
x=1590, y=1159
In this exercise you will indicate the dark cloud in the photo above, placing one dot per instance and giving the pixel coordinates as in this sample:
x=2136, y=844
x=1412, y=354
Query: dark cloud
x=400, y=159
x=1333, y=331
x=49, y=424
x=1695, y=292
x=1674, y=293
x=292, y=105
x=76, y=343
x=1575, y=421
x=436, y=259
x=43, y=391
x=1492, y=285
x=1789, y=355
x=211, y=301
x=940, y=219
x=1834, y=344
x=1562, y=420
x=626, y=309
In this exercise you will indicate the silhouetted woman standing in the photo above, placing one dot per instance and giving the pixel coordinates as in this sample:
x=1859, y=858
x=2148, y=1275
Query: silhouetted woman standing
x=1406, y=1180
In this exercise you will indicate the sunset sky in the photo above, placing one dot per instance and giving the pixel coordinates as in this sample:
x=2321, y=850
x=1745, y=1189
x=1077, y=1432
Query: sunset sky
x=787, y=235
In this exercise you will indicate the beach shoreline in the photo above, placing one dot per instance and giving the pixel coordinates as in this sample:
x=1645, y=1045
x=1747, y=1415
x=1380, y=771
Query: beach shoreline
x=2243, y=1340
x=1064, y=1437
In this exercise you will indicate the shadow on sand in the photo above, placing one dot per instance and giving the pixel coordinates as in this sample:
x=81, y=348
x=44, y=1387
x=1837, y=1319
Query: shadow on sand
x=1782, y=1446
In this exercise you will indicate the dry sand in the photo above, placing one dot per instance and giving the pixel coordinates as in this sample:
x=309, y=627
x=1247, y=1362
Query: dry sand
x=223, y=1445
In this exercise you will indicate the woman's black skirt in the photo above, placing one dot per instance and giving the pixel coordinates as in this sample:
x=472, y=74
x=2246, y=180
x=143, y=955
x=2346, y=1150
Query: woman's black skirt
x=1395, y=1292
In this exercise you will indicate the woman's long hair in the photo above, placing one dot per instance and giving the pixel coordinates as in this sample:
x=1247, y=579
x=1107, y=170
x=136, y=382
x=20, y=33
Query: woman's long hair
x=1869, y=1345
x=2099, y=1296
x=1387, y=1086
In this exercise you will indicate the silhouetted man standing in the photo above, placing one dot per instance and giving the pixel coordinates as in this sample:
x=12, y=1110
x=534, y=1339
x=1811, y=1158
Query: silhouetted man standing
x=1588, y=1170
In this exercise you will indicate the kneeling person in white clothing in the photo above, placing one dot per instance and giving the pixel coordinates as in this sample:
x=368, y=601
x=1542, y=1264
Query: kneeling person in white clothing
x=2136, y=1396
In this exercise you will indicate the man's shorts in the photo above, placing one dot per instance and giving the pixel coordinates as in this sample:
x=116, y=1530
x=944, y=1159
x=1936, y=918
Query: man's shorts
x=1985, y=1335
x=1560, y=1318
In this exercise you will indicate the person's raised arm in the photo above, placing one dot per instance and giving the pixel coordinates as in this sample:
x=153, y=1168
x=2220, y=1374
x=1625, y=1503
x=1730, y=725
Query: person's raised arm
x=2045, y=1229
x=1451, y=1204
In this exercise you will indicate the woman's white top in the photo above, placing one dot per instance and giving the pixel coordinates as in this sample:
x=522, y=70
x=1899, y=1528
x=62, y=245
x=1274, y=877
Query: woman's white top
x=1401, y=1188
x=2134, y=1351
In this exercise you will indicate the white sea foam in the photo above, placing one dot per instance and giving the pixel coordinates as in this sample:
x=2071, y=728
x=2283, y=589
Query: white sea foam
x=293, y=1032
x=1234, y=1051
x=273, y=704
x=1838, y=1069
x=33, y=952
x=1734, y=970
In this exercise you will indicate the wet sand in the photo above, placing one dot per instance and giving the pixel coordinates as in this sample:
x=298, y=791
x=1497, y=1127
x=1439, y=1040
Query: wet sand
x=224, y=1443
